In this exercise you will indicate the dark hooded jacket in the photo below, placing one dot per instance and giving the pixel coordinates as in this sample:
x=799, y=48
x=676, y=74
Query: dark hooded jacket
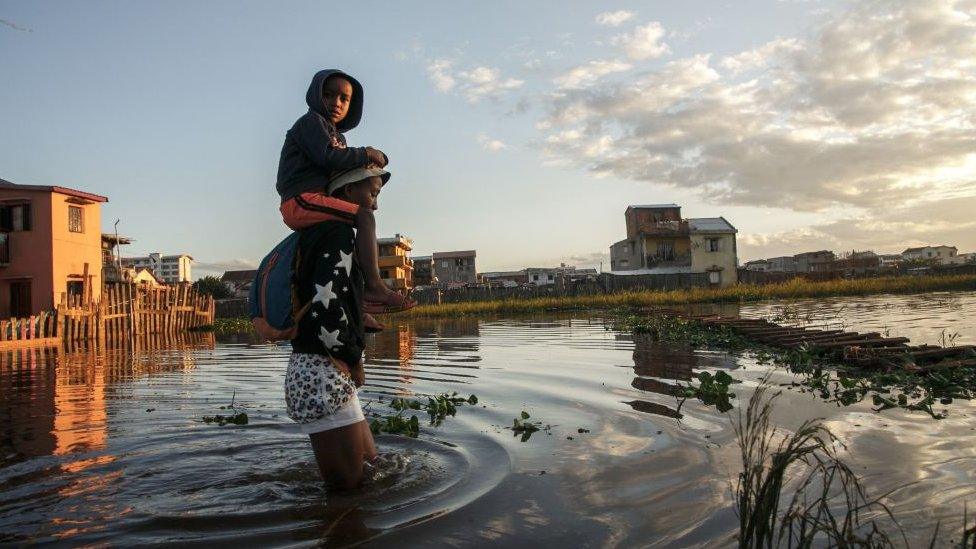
x=309, y=156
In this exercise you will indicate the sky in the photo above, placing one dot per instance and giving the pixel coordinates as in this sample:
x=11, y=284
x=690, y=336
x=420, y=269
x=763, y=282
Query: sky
x=522, y=130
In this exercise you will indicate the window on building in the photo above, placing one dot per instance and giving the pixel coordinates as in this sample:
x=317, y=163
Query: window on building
x=75, y=287
x=535, y=278
x=444, y=264
x=15, y=217
x=714, y=277
x=75, y=219
x=384, y=273
x=713, y=244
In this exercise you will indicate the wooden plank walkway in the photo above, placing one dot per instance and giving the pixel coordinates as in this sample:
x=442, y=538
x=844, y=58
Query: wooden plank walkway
x=868, y=350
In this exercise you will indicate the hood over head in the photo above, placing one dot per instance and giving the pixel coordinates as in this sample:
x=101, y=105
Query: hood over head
x=314, y=98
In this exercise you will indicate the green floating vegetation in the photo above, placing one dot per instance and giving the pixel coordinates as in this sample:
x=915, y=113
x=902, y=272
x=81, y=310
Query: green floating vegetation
x=712, y=390
x=818, y=372
x=438, y=408
x=240, y=418
x=521, y=426
x=739, y=293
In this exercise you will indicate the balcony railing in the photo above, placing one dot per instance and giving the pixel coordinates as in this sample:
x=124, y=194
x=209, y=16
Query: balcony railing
x=4, y=249
x=664, y=227
x=668, y=260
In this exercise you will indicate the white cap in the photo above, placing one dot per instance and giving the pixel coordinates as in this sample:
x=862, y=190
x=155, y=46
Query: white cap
x=356, y=175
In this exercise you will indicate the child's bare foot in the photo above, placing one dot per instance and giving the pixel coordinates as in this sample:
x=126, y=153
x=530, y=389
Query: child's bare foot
x=386, y=302
x=371, y=325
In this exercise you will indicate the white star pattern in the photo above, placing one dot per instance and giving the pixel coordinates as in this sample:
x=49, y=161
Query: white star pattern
x=330, y=339
x=325, y=256
x=345, y=261
x=335, y=271
x=324, y=294
x=315, y=314
x=343, y=317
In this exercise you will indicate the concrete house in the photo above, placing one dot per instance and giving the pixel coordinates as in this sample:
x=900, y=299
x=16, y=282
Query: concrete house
x=757, y=265
x=169, y=269
x=782, y=264
x=396, y=269
x=422, y=270
x=239, y=282
x=809, y=262
x=50, y=240
x=659, y=241
x=939, y=254
x=455, y=267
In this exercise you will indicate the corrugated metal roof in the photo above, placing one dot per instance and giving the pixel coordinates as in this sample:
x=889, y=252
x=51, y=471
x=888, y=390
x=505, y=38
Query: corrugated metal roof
x=710, y=224
x=649, y=206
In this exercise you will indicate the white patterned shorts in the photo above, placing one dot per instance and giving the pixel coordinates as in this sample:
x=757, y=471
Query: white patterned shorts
x=319, y=396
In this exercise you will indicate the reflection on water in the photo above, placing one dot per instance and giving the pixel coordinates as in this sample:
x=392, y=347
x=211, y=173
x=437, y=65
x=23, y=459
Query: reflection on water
x=109, y=447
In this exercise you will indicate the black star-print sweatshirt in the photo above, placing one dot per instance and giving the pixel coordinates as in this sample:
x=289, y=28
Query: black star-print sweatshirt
x=333, y=325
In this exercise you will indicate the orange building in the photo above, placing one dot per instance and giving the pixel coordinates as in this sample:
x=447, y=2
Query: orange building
x=50, y=237
x=396, y=269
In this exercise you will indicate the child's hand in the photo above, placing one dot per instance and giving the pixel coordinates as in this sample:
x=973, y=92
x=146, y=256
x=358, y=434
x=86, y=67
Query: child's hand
x=376, y=157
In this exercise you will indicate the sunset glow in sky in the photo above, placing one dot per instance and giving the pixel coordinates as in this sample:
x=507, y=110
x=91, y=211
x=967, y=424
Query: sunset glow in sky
x=521, y=130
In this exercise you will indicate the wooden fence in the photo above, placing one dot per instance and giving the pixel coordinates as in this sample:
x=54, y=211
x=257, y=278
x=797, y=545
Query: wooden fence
x=123, y=311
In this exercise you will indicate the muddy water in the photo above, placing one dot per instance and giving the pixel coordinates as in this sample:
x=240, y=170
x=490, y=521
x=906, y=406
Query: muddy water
x=109, y=447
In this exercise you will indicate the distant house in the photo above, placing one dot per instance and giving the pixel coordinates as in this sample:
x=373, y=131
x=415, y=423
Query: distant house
x=171, y=269
x=50, y=240
x=455, y=267
x=890, y=260
x=757, y=265
x=811, y=262
x=239, y=282
x=112, y=270
x=782, y=264
x=396, y=269
x=422, y=270
x=963, y=259
x=505, y=279
x=144, y=277
x=659, y=241
x=936, y=254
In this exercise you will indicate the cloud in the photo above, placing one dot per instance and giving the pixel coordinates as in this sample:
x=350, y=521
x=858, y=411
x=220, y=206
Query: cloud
x=481, y=82
x=873, y=111
x=489, y=144
x=643, y=42
x=761, y=56
x=614, y=18
x=886, y=231
x=474, y=84
x=218, y=267
x=587, y=73
x=439, y=72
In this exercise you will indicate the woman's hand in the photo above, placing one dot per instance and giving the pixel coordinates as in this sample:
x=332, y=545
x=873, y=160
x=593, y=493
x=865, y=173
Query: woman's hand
x=358, y=374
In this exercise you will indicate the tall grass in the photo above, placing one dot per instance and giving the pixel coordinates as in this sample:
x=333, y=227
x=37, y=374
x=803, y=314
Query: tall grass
x=793, y=289
x=827, y=504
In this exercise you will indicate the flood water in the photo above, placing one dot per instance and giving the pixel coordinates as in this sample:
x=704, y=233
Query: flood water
x=110, y=447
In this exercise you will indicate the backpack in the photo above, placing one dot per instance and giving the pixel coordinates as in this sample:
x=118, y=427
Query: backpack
x=274, y=309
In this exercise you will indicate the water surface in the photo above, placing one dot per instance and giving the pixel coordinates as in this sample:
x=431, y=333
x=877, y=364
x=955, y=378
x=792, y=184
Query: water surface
x=109, y=447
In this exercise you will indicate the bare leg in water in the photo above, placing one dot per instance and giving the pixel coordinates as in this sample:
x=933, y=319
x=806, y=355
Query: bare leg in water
x=341, y=453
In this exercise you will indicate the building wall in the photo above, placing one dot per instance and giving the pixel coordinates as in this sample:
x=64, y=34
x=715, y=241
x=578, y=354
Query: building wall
x=625, y=255
x=73, y=250
x=31, y=253
x=725, y=259
x=455, y=269
x=646, y=219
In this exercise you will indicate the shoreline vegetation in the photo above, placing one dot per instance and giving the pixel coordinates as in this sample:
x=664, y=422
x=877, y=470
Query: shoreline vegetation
x=742, y=293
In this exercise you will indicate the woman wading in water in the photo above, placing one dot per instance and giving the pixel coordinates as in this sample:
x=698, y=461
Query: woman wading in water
x=326, y=364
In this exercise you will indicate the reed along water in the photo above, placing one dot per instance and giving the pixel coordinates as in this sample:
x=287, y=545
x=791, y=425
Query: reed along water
x=109, y=447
